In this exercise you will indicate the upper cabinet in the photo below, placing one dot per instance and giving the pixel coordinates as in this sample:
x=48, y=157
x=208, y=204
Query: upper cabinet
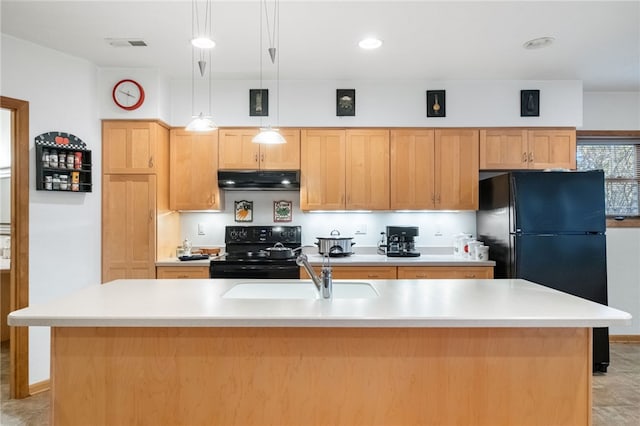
x=412, y=177
x=517, y=149
x=237, y=152
x=344, y=169
x=456, y=169
x=434, y=169
x=322, y=169
x=193, y=158
x=130, y=147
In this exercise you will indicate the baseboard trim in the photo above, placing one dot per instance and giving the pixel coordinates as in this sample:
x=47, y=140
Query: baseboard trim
x=624, y=338
x=38, y=387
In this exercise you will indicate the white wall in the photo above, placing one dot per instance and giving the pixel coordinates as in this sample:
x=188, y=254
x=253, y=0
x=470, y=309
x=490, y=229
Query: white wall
x=619, y=111
x=64, y=228
x=385, y=103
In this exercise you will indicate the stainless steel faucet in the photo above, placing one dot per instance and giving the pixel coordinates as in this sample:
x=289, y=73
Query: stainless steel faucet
x=324, y=284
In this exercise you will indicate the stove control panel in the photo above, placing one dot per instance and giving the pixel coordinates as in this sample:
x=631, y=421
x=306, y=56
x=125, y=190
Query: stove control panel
x=263, y=234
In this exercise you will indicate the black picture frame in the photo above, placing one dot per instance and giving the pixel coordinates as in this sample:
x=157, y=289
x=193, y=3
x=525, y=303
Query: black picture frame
x=529, y=103
x=436, y=103
x=258, y=102
x=345, y=102
x=243, y=211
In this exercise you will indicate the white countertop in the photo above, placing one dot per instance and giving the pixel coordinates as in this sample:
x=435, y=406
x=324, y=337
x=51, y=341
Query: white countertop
x=401, y=303
x=361, y=260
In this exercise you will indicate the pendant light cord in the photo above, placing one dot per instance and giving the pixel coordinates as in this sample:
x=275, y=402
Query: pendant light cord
x=277, y=24
x=193, y=59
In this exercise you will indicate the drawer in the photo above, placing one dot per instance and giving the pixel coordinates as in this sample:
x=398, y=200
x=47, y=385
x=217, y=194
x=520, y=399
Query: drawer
x=182, y=271
x=444, y=272
x=357, y=272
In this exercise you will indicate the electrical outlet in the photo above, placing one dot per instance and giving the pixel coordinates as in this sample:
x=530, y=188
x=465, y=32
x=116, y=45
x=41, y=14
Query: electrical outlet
x=200, y=229
x=361, y=229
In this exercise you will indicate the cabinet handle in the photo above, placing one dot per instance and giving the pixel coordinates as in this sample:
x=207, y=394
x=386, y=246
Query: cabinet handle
x=262, y=158
x=150, y=215
x=213, y=199
x=531, y=157
x=183, y=276
x=373, y=276
x=255, y=158
x=151, y=162
x=438, y=198
x=421, y=276
x=470, y=275
x=524, y=157
x=433, y=198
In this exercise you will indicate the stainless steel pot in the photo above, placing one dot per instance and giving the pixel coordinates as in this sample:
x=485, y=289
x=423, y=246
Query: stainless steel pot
x=279, y=251
x=335, y=245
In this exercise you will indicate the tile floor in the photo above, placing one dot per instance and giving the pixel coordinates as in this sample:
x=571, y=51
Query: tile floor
x=616, y=394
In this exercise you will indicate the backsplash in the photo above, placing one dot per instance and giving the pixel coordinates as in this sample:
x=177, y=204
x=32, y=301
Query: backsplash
x=436, y=228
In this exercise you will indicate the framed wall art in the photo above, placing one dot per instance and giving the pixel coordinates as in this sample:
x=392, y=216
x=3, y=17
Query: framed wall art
x=243, y=211
x=529, y=103
x=282, y=211
x=436, y=106
x=258, y=102
x=345, y=102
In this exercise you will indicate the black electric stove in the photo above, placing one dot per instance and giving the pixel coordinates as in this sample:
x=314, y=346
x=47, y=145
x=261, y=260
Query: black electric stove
x=246, y=255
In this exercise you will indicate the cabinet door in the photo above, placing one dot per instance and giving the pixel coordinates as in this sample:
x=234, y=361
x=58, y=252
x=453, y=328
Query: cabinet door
x=283, y=156
x=193, y=170
x=322, y=170
x=456, y=169
x=236, y=151
x=128, y=226
x=411, y=169
x=444, y=272
x=356, y=272
x=552, y=148
x=188, y=272
x=503, y=149
x=367, y=171
x=129, y=147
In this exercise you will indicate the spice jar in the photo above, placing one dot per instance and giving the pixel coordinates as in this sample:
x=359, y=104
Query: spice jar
x=56, y=182
x=70, y=160
x=45, y=158
x=77, y=163
x=53, y=158
x=64, y=182
x=75, y=181
x=48, y=183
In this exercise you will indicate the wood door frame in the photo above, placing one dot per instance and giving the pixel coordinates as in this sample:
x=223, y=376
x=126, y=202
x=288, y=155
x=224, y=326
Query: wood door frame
x=19, y=276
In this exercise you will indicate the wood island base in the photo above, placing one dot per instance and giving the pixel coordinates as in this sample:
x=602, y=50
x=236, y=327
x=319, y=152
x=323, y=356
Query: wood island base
x=320, y=376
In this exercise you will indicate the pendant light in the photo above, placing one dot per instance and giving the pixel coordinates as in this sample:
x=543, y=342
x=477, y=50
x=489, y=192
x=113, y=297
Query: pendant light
x=201, y=41
x=269, y=135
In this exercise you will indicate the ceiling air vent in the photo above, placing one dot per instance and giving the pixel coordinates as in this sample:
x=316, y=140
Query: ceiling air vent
x=126, y=42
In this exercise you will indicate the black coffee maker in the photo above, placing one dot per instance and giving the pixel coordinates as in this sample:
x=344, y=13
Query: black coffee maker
x=401, y=241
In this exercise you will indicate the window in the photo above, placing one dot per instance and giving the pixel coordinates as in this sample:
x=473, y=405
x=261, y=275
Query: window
x=620, y=160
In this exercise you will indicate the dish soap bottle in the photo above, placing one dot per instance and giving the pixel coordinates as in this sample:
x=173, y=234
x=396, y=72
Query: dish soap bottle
x=186, y=247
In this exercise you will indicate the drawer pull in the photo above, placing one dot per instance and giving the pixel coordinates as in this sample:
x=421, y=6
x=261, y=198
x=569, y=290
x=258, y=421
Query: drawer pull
x=373, y=276
x=470, y=276
x=183, y=276
x=421, y=275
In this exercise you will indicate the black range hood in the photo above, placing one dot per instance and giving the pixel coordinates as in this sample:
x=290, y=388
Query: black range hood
x=273, y=180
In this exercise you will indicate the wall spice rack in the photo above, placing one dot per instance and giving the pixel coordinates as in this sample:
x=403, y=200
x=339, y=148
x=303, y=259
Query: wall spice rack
x=63, y=163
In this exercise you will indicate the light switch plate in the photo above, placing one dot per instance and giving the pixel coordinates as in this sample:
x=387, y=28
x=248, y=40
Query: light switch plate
x=200, y=229
x=361, y=229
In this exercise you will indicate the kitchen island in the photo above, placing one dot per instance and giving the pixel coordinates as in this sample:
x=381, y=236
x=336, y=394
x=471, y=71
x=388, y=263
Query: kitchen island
x=421, y=352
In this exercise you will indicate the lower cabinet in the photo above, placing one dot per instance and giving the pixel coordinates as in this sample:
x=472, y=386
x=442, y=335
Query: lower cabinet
x=404, y=272
x=182, y=271
x=443, y=272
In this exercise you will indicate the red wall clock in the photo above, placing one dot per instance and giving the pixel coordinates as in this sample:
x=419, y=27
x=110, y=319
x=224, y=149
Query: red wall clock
x=128, y=94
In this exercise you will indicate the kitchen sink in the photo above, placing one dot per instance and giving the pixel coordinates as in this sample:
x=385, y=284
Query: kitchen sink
x=299, y=290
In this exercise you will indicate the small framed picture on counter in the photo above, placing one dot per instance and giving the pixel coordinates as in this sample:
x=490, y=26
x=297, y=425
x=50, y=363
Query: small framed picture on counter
x=243, y=211
x=282, y=211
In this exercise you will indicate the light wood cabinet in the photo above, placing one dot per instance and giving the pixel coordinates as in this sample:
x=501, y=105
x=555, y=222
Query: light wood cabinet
x=128, y=226
x=356, y=272
x=188, y=272
x=322, y=169
x=412, y=169
x=367, y=169
x=137, y=225
x=130, y=146
x=434, y=169
x=344, y=169
x=237, y=152
x=521, y=149
x=552, y=148
x=444, y=272
x=193, y=165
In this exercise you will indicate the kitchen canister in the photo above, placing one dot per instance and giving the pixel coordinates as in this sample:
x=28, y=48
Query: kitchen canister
x=482, y=253
x=471, y=248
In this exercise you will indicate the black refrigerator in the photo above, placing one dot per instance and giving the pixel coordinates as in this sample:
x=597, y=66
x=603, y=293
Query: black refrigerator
x=549, y=228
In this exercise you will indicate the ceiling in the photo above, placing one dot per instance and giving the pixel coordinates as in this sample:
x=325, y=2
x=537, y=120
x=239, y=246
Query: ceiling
x=596, y=42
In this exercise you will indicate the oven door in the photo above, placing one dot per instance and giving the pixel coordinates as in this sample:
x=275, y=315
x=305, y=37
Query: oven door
x=218, y=269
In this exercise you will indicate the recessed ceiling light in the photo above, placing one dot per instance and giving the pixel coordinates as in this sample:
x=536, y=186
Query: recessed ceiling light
x=538, y=43
x=370, y=43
